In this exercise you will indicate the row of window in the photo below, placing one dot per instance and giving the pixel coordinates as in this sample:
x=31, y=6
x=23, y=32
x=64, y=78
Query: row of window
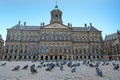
x=41, y=38
x=16, y=51
x=57, y=45
x=55, y=38
x=46, y=50
x=57, y=33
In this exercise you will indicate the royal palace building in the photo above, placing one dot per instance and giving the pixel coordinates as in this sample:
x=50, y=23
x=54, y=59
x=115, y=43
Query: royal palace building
x=53, y=41
x=112, y=46
x=1, y=46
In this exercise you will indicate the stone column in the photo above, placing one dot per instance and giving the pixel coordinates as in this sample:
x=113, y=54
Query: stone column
x=86, y=56
x=48, y=57
x=12, y=56
x=27, y=57
x=39, y=56
x=62, y=57
x=72, y=57
x=53, y=57
x=44, y=57
x=82, y=57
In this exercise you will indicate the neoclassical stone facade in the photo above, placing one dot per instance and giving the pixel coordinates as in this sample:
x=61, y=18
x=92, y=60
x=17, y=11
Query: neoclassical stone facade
x=53, y=41
x=1, y=46
x=112, y=46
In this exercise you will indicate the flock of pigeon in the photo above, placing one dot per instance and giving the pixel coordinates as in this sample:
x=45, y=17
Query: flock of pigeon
x=49, y=65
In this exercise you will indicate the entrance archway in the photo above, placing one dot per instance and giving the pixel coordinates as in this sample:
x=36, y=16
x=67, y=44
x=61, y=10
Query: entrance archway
x=76, y=57
x=46, y=57
x=97, y=57
x=10, y=57
x=5, y=57
x=29, y=57
x=14, y=57
x=60, y=57
x=34, y=57
x=55, y=57
x=80, y=57
x=65, y=57
x=42, y=57
x=88, y=57
x=69, y=57
x=20, y=57
x=25, y=57
x=51, y=57
x=93, y=56
x=84, y=57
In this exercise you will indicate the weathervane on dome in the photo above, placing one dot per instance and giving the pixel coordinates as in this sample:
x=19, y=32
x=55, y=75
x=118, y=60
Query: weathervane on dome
x=56, y=6
x=56, y=2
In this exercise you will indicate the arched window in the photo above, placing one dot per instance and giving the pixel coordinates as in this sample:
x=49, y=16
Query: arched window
x=47, y=38
x=47, y=50
x=51, y=37
x=43, y=38
x=11, y=51
x=64, y=37
x=60, y=50
x=97, y=51
x=6, y=51
x=65, y=51
x=55, y=50
x=93, y=50
x=80, y=51
x=76, y=50
x=56, y=37
x=21, y=51
x=25, y=50
x=15, y=50
x=85, y=51
x=31, y=37
x=51, y=50
x=60, y=37
x=69, y=37
x=27, y=38
x=69, y=50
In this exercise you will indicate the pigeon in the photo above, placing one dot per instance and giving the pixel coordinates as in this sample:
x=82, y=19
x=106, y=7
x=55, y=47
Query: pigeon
x=25, y=67
x=16, y=68
x=99, y=72
x=3, y=64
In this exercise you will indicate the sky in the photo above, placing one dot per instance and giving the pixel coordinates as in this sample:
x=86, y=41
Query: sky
x=103, y=14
